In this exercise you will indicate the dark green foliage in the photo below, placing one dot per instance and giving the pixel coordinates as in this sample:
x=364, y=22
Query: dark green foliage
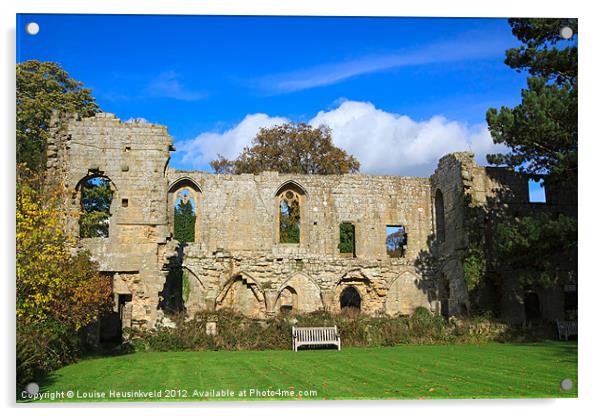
x=541, y=132
x=539, y=53
x=290, y=219
x=236, y=332
x=42, y=348
x=347, y=238
x=538, y=248
x=184, y=222
x=41, y=88
x=475, y=257
x=96, y=198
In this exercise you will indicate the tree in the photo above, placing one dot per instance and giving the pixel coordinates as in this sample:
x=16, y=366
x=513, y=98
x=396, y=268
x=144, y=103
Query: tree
x=96, y=198
x=52, y=284
x=290, y=218
x=57, y=293
x=41, y=88
x=184, y=222
x=290, y=148
x=541, y=132
x=347, y=237
x=538, y=248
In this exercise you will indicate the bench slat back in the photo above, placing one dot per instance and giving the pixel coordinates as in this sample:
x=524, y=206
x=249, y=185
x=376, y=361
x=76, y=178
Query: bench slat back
x=315, y=334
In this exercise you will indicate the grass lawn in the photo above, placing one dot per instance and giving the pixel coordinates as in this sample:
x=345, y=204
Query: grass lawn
x=402, y=372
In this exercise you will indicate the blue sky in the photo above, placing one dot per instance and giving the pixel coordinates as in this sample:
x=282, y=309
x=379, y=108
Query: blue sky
x=397, y=92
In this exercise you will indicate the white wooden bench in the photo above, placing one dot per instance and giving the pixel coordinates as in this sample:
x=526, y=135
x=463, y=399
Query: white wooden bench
x=316, y=336
x=566, y=329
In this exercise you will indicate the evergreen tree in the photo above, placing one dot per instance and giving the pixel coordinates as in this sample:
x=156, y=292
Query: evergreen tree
x=541, y=133
x=346, y=238
x=184, y=222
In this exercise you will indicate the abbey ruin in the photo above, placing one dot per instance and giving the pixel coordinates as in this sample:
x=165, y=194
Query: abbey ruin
x=237, y=259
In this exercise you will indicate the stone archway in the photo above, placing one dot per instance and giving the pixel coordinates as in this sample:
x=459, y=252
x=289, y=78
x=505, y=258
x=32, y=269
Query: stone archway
x=306, y=293
x=242, y=294
x=287, y=300
x=350, y=299
x=404, y=295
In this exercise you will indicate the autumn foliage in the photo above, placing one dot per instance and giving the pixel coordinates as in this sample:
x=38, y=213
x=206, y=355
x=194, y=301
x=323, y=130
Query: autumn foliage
x=291, y=148
x=58, y=292
x=51, y=282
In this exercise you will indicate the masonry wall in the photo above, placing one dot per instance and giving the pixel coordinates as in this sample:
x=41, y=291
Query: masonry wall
x=237, y=260
x=239, y=240
x=134, y=158
x=490, y=194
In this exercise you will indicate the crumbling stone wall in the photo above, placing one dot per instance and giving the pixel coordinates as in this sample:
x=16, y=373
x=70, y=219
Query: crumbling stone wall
x=237, y=260
x=478, y=196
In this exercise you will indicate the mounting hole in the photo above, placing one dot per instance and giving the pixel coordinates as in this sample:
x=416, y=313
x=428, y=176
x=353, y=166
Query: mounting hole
x=566, y=32
x=566, y=384
x=32, y=28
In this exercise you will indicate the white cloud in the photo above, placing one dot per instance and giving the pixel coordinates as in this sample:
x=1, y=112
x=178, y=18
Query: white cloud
x=384, y=143
x=388, y=143
x=477, y=46
x=205, y=147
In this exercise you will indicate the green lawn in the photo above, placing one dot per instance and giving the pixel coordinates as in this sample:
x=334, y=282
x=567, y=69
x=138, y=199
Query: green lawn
x=403, y=372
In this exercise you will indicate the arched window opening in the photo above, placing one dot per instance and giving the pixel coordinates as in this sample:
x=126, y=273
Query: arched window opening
x=397, y=240
x=350, y=299
x=290, y=217
x=184, y=217
x=184, y=210
x=95, y=199
x=287, y=301
x=439, y=216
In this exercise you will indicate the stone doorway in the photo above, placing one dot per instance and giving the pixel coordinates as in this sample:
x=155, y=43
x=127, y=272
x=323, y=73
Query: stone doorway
x=350, y=299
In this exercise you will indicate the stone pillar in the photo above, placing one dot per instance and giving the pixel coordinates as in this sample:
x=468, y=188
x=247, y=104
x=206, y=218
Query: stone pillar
x=328, y=300
x=210, y=303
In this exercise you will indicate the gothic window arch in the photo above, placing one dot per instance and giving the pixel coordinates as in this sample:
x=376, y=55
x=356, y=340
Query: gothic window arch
x=184, y=199
x=289, y=199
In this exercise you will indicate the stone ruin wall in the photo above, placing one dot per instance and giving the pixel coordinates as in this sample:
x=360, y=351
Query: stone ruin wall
x=239, y=249
x=236, y=260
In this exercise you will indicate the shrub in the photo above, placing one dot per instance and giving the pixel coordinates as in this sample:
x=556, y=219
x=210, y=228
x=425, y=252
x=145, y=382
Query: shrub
x=43, y=347
x=237, y=332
